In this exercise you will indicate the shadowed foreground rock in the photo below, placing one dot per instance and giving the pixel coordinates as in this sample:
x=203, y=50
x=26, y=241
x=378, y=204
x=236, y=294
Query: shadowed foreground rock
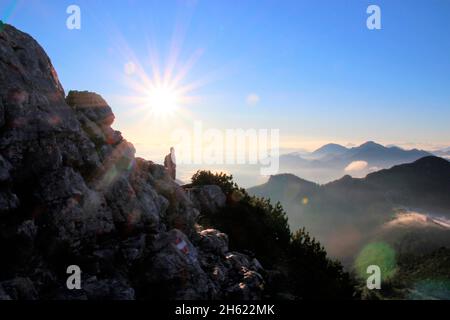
x=73, y=193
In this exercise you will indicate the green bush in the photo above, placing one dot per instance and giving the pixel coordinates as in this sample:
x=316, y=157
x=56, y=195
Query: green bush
x=224, y=181
x=252, y=224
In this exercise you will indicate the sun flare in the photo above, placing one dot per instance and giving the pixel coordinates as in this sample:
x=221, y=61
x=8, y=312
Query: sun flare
x=162, y=100
x=160, y=95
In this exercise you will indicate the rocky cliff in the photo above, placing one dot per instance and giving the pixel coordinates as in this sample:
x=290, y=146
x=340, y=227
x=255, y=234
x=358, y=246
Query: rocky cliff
x=72, y=192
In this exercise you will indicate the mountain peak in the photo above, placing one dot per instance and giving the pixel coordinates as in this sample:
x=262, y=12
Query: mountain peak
x=287, y=177
x=330, y=148
x=371, y=144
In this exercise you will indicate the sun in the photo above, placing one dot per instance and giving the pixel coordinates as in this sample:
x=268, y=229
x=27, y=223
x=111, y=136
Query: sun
x=162, y=100
x=161, y=95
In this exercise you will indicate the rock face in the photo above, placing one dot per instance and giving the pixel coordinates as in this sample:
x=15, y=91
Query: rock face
x=73, y=193
x=207, y=198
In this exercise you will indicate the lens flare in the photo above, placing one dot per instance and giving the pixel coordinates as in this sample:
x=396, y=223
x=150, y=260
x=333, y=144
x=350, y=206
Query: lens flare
x=380, y=254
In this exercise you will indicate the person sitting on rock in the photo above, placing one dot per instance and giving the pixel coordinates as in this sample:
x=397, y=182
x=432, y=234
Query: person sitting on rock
x=170, y=163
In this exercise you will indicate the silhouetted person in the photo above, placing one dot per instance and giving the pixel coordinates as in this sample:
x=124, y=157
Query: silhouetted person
x=170, y=163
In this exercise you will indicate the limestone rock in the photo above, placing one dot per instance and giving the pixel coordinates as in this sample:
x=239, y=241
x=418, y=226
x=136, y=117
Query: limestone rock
x=92, y=105
x=212, y=240
x=73, y=192
x=207, y=198
x=20, y=288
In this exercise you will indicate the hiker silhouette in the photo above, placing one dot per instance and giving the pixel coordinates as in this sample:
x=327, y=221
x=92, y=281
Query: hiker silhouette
x=170, y=163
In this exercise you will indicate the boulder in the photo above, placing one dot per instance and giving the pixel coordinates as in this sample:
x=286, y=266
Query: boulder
x=5, y=168
x=19, y=288
x=3, y=294
x=212, y=240
x=111, y=289
x=250, y=288
x=174, y=265
x=208, y=199
x=92, y=105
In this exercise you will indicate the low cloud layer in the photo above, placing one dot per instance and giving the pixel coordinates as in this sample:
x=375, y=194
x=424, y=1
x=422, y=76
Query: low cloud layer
x=356, y=166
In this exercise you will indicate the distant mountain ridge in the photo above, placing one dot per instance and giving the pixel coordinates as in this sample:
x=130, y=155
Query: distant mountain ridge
x=333, y=161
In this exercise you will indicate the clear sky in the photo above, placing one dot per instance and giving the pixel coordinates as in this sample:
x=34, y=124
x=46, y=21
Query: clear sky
x=309, y=68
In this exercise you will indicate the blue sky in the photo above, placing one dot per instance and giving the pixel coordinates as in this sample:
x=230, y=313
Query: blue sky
x=320, y=74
